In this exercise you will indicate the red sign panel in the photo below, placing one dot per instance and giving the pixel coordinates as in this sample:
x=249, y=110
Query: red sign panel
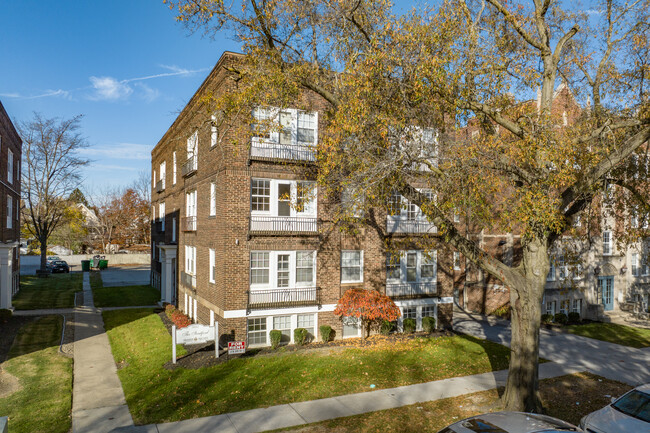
x=235, y=347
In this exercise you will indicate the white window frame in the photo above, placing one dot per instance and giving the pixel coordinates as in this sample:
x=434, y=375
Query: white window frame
x=551, y=307
x=407, y=210
x=213, y=131
x=634, y=264
x=10, y=208
x=360, y=266
x=273, y=270
x=174, y=168
x=213, y=198
x=190, y=260
x=212, y=254
x=310, y=208
x=163, y=173
x=456, y=261
x=10, y=166
x=353, y=202
x=154, y=179
x=576, y=306
x=193, y=148
x=562, y=268
x=161, y=215
x=403, y=265
x=190, y=204
x=270, y=118
x=551, y=270
x=608, y=249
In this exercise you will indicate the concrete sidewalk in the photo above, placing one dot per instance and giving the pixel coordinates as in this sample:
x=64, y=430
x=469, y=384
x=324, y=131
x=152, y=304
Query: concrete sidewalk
x=98, y=403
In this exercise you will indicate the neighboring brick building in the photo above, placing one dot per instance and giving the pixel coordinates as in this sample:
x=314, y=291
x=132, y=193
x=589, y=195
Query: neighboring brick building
x=243, y=236
x=591, y=274
x=10, y=157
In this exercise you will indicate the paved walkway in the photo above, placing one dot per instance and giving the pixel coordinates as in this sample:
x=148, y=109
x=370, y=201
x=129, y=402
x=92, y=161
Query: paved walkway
x=98, y=403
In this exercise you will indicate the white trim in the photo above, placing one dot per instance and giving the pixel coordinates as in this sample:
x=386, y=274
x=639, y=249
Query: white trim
x=211, y=318
x=237, y=314
x=360, y=266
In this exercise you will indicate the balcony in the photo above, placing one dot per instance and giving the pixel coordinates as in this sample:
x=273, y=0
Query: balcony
x=403, y=225
x=268, y=150
x=188, y=280
x=412, y=290
x=278, y=298
x=160, y=186
x=283, y=224
x=189, y=167
x=188, y=224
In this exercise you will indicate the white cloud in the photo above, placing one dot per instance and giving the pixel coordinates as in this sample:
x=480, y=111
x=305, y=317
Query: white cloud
x=147, y=93
x=47, y=93
x=121, y=151
x=109, y=88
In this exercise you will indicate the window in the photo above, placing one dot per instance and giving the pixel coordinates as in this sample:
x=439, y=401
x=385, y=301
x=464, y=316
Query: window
x=154, y=179
x=283, y=270
x=550, y=308
x=257, y=331
x=393, y=266
x=577, y=272
x=190, y=260
x=10, y=166
x=305, y=267
x=307, y=321
x=213, y=131
x=645, y=266
x=153, y=212
x=551, y=270
x=190, y=204
x=427, y=265
x=286, y=126
x=10, y=207
x=456, y=216
x=173, y=229
x=607, y=243
x=259, y=268
x=213, y=199
x=283, y=324
x=429, y=311
x=161, y=215
x=400, y=207
x=634, y=264
x=351, y=327
x=163, y=173
x=193, y=150
x=576, y=306
x=564, y=306
x=174, y=168
x=634, y=220
x=351, y=266
x=283, y=197
x=456, y=261
x=212, y=265
x=409, y=313
x=561, y=267
x=352, y=202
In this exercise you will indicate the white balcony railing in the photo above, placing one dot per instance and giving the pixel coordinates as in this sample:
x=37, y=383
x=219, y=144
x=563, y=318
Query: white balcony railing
x=263, y=223
x=271, y=150
x=270, y=298
x=403, y=225
x=189, y=166
x=412, y=290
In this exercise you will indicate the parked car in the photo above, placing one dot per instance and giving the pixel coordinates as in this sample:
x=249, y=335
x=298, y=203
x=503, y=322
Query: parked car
x=59, y=266
x=510, y=422
x=628, y=413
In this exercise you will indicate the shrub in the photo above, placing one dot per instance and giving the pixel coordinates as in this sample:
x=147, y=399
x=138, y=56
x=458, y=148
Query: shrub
x=547, y=318
x=180, y=320
x=5, y=315
x=574, y=317
x=387, y=327
x=276, y=337
x=409, y=325
x=561, y=318
x=429, y=324
x=325, y=332
x=169, y=310
x=502, y=312
x=370, y=306
x=300, y=336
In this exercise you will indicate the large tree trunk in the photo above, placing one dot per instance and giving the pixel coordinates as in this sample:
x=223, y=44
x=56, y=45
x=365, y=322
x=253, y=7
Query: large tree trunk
x=43, y=254
x=521, y=387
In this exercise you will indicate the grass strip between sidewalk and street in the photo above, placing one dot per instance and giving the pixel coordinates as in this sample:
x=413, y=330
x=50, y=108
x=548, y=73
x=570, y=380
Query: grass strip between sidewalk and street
x=566, y=397
x=613, y=333
x=55, y=291
x=42, y=401
x=141, y=346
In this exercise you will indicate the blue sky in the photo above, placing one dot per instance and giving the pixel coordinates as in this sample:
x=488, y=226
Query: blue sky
x=127, y=66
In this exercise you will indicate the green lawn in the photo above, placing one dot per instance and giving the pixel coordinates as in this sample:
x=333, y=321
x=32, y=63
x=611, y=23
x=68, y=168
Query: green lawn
x=44, y=401
x=613, y=333
x=142, y=345
x=55, y=291
x=126, y=296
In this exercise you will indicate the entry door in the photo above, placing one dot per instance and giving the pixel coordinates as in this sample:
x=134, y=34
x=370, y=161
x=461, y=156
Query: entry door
x=606, y=287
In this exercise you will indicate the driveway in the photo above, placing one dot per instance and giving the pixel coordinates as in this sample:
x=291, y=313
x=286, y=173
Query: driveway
x=135, y=275
x=613, y=361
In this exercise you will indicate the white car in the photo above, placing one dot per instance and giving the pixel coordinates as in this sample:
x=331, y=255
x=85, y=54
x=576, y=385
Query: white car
x=510, y=422
x=629, y=413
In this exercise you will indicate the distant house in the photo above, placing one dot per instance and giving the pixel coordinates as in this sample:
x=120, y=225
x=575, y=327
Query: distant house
x=10, y=157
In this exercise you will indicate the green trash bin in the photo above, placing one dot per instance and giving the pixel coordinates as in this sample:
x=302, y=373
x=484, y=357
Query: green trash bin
x=85, y=265
x=103, y=264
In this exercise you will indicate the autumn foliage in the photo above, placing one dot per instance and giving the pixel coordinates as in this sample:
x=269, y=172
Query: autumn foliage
x=370, y=306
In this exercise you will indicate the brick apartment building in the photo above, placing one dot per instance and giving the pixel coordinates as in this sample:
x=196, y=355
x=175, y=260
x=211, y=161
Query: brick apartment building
x=591, y=275
x=10, y=157
x=244, y=237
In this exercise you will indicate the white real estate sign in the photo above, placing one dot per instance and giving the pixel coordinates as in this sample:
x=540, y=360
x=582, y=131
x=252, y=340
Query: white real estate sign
x=195, y=334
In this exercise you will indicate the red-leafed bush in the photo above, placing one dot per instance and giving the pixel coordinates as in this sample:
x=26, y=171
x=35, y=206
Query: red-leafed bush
x=368, y=305
x=180, y=320
x=169, y=310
